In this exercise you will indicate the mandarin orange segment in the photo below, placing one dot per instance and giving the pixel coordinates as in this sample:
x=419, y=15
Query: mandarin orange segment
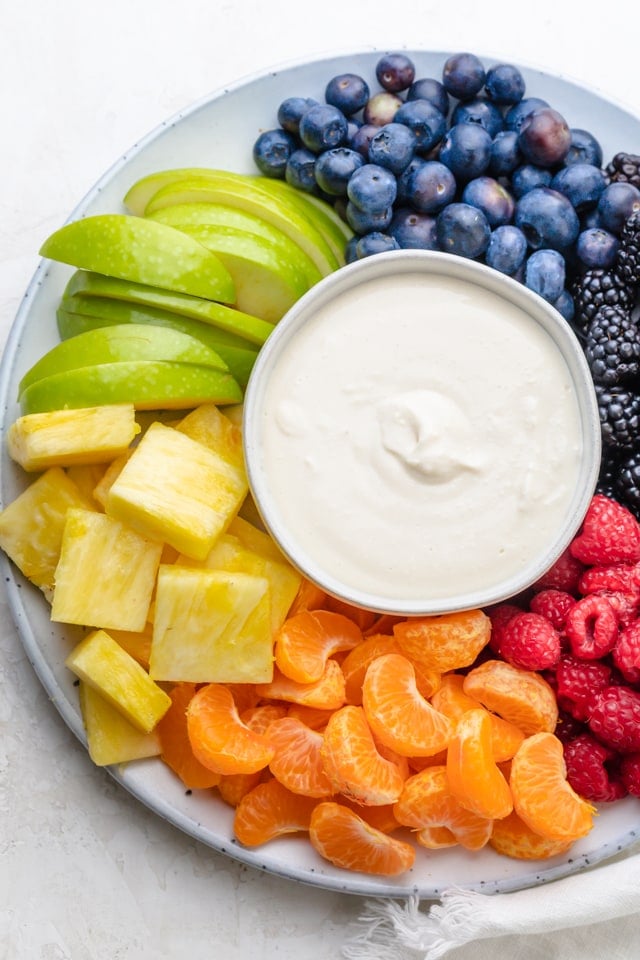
x=353, y=763
x=355, y=664
x=219, y=739
x=327, y=693
x=309, y=597
x=396, y=711
x=297, y=763
x=364, y=619
x=260, y=717
x=474, y=777
x=175, y=748
x=348, y=841
x=382, y=818
x=511, y=837
x=522, y=697
x=435, y=838
x=383, y=624
x=542, y=796
x=313, y=717
x=304, y=643
x=445, y=642
x=451, y=700
x=426, y=803
x=234, y=786
x=269, y=811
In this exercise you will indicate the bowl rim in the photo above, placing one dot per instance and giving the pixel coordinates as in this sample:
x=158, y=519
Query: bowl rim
x=406, y=261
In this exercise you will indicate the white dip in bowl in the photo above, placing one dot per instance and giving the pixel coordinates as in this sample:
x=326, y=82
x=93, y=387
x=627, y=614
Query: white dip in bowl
x=421, y=434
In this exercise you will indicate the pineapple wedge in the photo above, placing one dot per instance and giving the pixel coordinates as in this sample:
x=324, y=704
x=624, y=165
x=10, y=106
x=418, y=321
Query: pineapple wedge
x=208, y=425
x=61, y=438
x=110, y=736
x=211, y=626
x=31, y=526
x=106, y=573
x=102, y=664
x=87, y=476
x=177, y=490
x=137, y=643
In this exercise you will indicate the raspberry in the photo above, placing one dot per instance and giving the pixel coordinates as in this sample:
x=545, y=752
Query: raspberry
x=554, y=605
x=619, y=584
x=592, y=628
x=630, y=773
x=578, y=682
x=568, y=728
x=615, y=719
x=626, y=652
x=500, y=616
x=589, y=769
x=610, y=534
x=563, y=575
x=529, y=641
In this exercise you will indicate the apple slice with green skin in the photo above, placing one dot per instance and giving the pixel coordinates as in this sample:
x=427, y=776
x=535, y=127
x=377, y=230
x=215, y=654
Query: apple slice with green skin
x=143, y=251
x=220, y=215
x=148, y=384
x=334, y=229
x=79, y=314
x=244, y=193
x=252, y=329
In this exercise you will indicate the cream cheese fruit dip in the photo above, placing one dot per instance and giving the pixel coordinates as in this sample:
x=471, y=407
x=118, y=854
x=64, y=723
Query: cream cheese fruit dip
x=417, y=436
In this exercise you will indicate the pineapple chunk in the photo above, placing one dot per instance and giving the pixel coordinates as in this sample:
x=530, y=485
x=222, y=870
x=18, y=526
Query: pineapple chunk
x=106, y=573
x=209, y=426
x=137, y=643
x=211, y=626
x=60, y=438
x=253, y=538
x=31, y=526
x=110, y=736
x=87, y=476
x=102, y=663
x=106, y=481
x=177, y=490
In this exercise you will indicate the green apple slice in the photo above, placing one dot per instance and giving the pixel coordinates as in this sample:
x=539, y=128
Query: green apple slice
x=252, y=329
x=148, y=384
x=79, y=314
x=244, y=192
x=220, y=215
x=333, y=227
x=143, y=251
x=132, y=341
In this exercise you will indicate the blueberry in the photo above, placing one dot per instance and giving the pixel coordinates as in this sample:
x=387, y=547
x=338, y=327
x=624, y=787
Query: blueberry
x=362, y=137
x=466, y=150
x=581, y=183
x=544, y=137
x=430, y=187
x=323, y=127
x=368, y=221
x=507, y=249
x=462, y=230
x=393, y=147
x=545, y=274
x=291, y=110
x=617, y=202
x=404, y=180
x=463, y=75
x=596, y=248
x=527, y=177
x=300, y=170
x=350, y=252
x=504, y=84
x=372, y=188
x=413, y=230
x=348, y=92
x=492, y=198
x=425, y=121
x=565, y=305
x=479, y=110
x=395, y=72
x=547, y=219
x=334, y=168
x=427, y=88
x=515, y=116
x=505, y=154
x=375, y=242
x=271, y=152
x=584, y=148
x=381, y=108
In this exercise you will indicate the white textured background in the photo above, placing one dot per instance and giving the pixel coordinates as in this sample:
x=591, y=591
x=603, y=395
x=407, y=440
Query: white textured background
x=85, y=872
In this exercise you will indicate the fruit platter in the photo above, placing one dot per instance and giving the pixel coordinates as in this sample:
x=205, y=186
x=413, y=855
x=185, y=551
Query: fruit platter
x=338, y=746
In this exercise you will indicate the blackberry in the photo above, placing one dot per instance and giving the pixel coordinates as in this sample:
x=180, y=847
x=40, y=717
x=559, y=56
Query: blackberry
x=619, y=410
x=624, y=168
x=628, y=258
x=609, y=474
x=626, y=487
x=612, y=346
x=595, y=289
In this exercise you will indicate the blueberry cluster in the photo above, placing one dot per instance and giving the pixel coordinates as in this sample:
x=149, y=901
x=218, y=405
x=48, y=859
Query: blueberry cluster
x=463, y=163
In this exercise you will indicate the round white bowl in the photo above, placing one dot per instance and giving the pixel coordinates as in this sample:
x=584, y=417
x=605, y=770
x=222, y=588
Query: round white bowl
x=272, y=497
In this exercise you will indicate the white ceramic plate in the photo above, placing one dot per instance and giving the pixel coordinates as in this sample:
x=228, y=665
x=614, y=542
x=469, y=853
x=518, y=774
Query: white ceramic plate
x=219, y=132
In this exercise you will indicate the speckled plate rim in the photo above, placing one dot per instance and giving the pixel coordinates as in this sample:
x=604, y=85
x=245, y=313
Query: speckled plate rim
x=617, y=827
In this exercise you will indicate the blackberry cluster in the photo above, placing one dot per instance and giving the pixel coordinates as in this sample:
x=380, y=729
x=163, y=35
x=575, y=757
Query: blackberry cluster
x=624, y=168
x=595, y=289
x=612, y=347
x=628, y=259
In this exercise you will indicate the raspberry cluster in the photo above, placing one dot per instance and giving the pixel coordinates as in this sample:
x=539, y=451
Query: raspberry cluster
x=580, y=627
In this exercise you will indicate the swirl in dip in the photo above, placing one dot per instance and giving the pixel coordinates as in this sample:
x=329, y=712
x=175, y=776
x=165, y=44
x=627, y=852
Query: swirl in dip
x=418, y=436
